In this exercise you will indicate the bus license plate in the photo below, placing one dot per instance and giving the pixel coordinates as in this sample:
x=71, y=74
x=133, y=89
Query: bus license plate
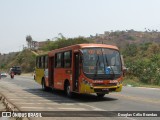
x=105, y=89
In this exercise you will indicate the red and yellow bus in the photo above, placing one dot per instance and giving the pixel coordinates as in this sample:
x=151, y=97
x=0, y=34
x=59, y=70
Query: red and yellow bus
x=81, y=68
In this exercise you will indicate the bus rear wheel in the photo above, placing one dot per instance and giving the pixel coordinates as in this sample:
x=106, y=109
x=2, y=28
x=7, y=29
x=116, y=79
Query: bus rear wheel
x=68, y=90
x=44, y=85
x=100, y=95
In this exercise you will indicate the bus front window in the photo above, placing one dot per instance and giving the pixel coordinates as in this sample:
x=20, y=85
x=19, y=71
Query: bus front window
x=98, y=62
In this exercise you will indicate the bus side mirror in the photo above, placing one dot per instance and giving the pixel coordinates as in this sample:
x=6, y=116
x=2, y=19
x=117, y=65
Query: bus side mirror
x=124, y=69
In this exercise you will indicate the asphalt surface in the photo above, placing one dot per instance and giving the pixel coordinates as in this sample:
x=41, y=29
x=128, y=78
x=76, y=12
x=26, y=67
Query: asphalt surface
x=27, y=95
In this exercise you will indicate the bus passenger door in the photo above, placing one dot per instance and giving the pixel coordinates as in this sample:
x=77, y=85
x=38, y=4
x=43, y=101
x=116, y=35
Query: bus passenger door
x=76, y=72
x=51, y=71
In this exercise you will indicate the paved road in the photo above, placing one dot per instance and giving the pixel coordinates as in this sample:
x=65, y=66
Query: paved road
x=27, y=95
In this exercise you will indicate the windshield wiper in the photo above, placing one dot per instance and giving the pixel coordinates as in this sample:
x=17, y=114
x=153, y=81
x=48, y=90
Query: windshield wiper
x=96, y=66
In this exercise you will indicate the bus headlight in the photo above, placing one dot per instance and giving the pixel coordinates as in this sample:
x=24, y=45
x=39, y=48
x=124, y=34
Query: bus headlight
x=119, y=83
x=91, y=85
x=84, y=81
x=87, y=83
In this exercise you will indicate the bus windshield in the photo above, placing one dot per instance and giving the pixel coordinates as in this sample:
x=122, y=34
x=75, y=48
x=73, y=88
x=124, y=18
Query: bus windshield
x=101, y=61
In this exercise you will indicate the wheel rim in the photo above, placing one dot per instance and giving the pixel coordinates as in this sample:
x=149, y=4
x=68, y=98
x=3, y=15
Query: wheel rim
x=68, y=90
x=43, y=85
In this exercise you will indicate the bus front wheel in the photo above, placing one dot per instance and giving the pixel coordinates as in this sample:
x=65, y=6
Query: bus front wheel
x=100, y=95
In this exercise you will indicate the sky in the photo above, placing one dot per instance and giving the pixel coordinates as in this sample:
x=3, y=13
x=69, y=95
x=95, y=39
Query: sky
x=44, y=19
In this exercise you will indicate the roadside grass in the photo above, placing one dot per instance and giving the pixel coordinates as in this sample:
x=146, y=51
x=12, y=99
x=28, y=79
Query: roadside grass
x=134, y=82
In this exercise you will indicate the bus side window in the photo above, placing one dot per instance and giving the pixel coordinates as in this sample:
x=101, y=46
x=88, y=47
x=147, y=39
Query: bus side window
x=46, y=62
x=67, y=59
x=59, y=60
x=40, y=62
x=37, y=62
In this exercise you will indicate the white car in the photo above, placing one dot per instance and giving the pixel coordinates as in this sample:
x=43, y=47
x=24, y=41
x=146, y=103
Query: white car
x=3, y=74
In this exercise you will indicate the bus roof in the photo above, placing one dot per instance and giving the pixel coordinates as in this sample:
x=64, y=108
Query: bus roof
x=97, y=45
x=80, y=46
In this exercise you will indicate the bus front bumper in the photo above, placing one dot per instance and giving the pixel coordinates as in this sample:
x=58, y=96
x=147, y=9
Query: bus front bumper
x=99, y=89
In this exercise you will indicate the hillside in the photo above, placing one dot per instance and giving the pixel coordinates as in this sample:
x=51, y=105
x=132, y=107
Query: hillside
x=25, y=59
x=6, y=59
x=124, y=38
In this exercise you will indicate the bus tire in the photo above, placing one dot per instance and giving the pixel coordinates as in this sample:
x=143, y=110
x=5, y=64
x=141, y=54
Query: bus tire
x=44, y=85
x=68, y=90
x=100, y=95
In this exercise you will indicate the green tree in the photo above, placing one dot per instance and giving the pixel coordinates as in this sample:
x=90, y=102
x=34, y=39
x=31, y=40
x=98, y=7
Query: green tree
x=130, y=50
x=61, y=42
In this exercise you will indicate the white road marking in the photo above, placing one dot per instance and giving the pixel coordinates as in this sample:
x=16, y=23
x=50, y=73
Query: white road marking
x=38, y=103
x=16, y=99
x=48, y=103
x=94, y=108
x=72, y=108
x=33, y=107
x=66, y=104
x=53, y=108
x=149, y=88
x=20, y=99
x=28, y=97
